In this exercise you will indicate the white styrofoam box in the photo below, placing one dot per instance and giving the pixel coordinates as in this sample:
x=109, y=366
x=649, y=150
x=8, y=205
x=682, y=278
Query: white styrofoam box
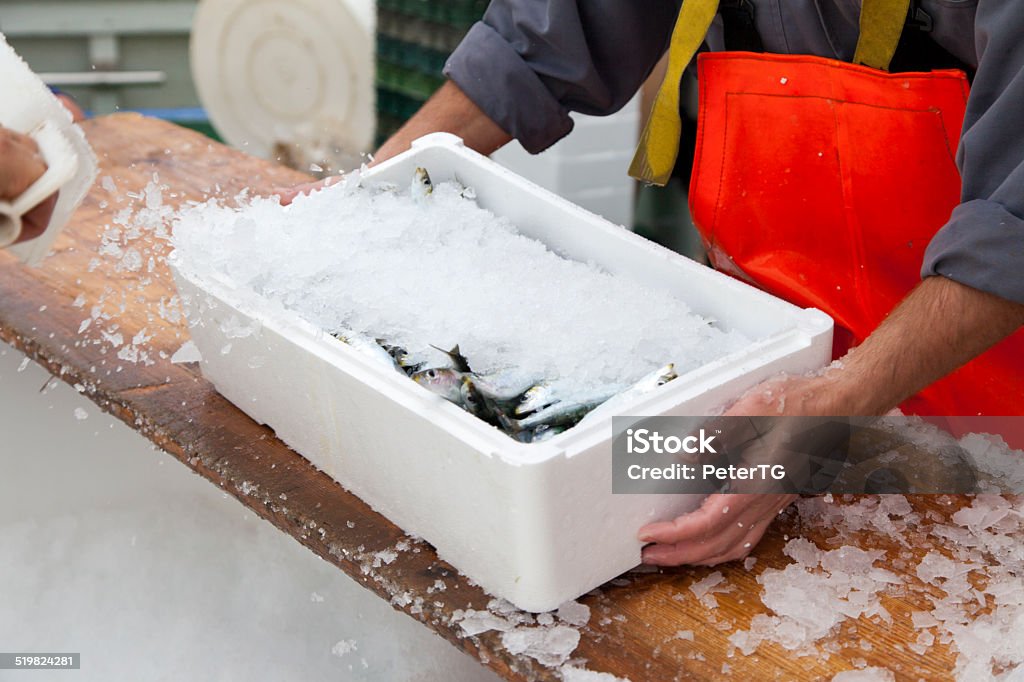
x=589, y=165
x=536, y=524
x=602, y=201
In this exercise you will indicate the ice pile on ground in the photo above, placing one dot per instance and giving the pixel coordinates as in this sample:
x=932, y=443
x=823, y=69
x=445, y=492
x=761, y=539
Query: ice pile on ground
x=439, y=270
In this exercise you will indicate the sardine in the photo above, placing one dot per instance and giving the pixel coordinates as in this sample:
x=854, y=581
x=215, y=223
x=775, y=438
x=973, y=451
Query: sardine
x=508, y=388
x=478, y=404
x=367, y=347
x=535, y=398
x=537, y=435
x=459, y=361
x=444, y=381
x=650, y=382
x=544, y=432
x=421, y=184
x=565, y=414
x=545, y=395
x=401, y=357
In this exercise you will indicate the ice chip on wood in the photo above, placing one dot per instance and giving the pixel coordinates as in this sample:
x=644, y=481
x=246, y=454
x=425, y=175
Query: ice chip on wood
x=550, y=646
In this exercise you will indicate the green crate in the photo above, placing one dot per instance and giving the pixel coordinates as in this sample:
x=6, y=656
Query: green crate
x=414, y=40
x=411, y=83
x=461, y=13
x=387, y=126
x=418, y=31
x=397, y=104
x=412, y=57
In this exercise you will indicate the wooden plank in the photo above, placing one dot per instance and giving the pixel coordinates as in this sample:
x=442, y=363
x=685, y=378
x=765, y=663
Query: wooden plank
x=634, y=619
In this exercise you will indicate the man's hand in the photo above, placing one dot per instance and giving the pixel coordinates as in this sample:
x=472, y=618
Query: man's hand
x=449, y=110
x=20, y=163
x=940, y=326
x=725, y=528
x=20, y=166
x=728, y=527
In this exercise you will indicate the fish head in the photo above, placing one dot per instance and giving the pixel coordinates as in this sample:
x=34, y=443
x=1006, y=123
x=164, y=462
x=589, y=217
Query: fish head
x=421, y=184
x=443, y=381
x=667, y=374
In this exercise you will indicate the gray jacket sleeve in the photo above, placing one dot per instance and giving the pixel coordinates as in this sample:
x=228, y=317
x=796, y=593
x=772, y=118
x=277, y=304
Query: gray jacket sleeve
x=982, y=245
x=528, y=63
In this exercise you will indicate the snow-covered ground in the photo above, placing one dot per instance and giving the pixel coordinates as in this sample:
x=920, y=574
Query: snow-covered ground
x=117, y=551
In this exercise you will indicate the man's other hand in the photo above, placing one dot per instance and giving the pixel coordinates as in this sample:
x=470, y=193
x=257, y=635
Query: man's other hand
x=728, y=527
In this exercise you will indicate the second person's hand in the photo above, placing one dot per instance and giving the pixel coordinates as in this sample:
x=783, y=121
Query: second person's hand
x=21, y=164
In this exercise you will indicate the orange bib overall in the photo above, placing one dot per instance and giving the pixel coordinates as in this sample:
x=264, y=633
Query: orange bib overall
x=822, y=182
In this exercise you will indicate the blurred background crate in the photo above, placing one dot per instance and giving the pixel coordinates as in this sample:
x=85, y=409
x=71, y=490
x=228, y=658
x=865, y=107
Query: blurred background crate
x=414, y=39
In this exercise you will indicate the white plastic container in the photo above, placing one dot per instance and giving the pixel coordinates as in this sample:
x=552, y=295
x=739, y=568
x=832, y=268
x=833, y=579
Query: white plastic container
x=536, y=524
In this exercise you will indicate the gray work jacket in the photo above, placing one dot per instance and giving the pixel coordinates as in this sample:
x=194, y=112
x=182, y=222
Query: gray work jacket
x=528, y=63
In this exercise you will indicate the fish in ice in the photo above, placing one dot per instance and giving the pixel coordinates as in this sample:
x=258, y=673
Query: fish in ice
x=458, y=360
x=444, y=381
x=421, y=184
x=658, y=377
x=368, y=347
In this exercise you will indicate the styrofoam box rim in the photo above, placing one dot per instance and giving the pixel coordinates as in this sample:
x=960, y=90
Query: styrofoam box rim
x=808, y=325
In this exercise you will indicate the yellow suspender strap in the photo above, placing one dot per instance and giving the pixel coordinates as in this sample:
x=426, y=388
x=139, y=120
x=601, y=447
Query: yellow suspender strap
x=659, y=142
x=881, y=24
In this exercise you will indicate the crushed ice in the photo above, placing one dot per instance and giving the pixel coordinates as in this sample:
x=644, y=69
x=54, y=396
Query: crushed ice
x=442, y=271
x=133, y=246
x=972, y=573
x=549, y=638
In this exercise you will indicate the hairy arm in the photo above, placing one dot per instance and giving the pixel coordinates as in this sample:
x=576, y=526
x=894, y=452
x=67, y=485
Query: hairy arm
x=449, y=110
x=940, y=326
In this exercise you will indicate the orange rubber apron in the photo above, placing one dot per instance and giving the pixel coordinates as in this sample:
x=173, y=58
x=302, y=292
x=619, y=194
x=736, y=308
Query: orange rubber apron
x=822, y=182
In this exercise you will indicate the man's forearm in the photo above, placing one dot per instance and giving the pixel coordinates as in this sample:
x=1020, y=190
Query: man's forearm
x=450, y=111
x=940, y=326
